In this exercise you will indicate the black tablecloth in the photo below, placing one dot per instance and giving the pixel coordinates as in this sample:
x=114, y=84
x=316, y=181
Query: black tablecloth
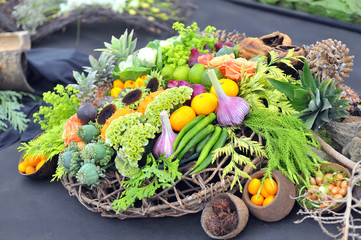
x=33, y=209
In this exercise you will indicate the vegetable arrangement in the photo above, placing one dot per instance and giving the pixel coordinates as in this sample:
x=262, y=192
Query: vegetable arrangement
x=172, y=110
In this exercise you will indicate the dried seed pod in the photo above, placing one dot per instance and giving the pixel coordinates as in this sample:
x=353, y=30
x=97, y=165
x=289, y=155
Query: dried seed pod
x=329, y=59
x=275, y=39
x=252, y=47
x=225, y=36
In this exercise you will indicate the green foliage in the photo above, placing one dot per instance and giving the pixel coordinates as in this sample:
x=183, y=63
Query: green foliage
x=132, y=148
x=147, y=181
x=317, y=102
x=247, y=147
x=48, y=143
x=62, y=102
x=259, y=93
x=178, y=52
x=167, y=100
x=32, y=13
x=10, y=108
x=344, y=10
x=59, y=173
x=287, y=144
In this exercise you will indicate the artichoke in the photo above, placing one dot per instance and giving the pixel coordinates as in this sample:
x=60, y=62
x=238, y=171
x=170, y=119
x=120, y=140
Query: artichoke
x=316, y=102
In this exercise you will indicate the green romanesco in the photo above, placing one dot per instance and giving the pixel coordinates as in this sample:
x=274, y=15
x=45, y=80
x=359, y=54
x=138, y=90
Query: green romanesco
x=117, y=127
x=132, y=148
x=167, y=100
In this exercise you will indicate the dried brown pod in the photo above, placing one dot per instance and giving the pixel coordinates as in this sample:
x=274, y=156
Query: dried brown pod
x=225, y=36
x=282, y=51
x=231, y=224
x=252, y=47
x=275, y=39
x=329, y=59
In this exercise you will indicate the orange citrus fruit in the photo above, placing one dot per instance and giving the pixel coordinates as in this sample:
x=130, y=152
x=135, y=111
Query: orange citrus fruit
x=268, y=200
x=229, y=87
x=29, y=170
x=254, y=185
x=22, y=167
x=270, y=186
x=40, y=164
x=115, y=92
x=33, y=160
x=204, y=103
x=264, y=193
x=257, y=200
x=181, y=117
x=118, y=84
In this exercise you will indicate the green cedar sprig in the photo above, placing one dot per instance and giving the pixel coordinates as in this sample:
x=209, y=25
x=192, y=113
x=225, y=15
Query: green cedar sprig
x=287, y=143
x=147, y=181
x=62, y=104
x=10, y=108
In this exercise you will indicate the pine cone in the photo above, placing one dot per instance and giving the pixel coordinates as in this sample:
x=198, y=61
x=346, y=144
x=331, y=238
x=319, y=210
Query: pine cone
x=234, y=36
x=329, y=59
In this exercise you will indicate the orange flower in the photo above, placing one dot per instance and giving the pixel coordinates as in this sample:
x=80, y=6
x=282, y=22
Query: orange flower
x=118, y=113
x=237, y=68
x=204, y=59
x=221, y=62
x=70, y=130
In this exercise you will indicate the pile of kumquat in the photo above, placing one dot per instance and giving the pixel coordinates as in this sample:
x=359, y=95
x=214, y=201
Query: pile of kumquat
x=267, y=192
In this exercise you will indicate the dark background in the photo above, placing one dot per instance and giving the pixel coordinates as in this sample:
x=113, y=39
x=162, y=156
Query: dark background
x=38, y=209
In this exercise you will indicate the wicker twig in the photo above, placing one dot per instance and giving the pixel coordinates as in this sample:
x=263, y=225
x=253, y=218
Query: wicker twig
x=188, y=195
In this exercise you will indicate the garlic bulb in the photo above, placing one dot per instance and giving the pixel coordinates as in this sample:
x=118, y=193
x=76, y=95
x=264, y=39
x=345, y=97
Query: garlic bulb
x=164, y=143
x=231, y=110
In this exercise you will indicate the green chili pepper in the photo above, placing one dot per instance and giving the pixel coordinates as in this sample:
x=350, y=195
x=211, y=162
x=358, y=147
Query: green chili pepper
x=194, y=130
x=196, y=139
x=186, y=128
x=220, y=143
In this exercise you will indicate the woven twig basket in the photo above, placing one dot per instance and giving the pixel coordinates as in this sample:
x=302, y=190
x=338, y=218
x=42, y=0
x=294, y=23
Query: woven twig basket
x=188, y=195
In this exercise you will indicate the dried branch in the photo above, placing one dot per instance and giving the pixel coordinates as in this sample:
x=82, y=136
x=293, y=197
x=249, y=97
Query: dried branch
x=350, y=225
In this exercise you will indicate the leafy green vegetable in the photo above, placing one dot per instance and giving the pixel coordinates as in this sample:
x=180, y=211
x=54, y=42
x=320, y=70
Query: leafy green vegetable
x=147, y=181
x=62, y=104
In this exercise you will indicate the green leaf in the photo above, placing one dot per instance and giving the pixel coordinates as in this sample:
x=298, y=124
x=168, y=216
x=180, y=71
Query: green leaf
x=326, y=104
x=132, y=73
x=307, y=79
x=284, y=87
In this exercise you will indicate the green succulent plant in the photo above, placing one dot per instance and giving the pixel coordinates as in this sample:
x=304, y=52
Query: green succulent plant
x=317, y=103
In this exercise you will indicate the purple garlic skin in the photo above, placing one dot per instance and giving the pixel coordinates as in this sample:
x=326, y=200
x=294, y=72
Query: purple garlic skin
x=232, y=111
